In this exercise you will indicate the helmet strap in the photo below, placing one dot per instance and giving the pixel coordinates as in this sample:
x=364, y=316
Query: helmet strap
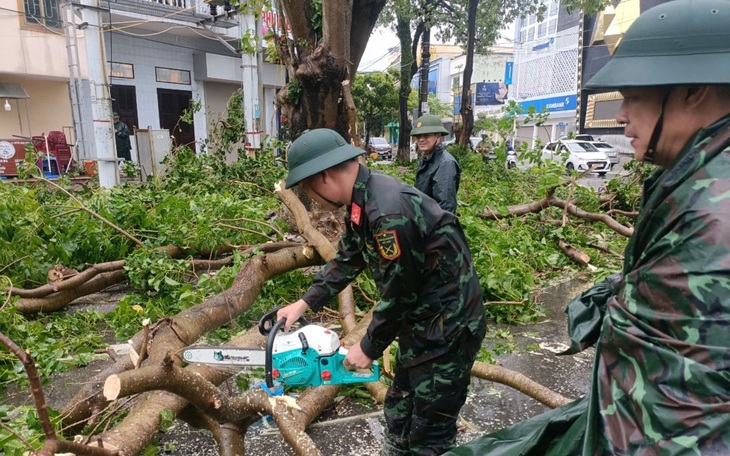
x=651, y=148
x=329, y=201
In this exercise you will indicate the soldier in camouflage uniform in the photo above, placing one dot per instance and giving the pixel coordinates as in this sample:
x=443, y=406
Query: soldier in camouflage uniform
x=661, y=378
x=430, y=298
x=438, y=173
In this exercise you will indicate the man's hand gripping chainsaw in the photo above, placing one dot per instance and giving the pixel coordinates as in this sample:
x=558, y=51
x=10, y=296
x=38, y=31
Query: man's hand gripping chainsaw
x=310, y=356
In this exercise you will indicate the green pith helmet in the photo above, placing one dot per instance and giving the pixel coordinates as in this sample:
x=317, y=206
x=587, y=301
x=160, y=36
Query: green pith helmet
x=315, y=151
x=428, y=123
x=115, y=115
x=675, y=43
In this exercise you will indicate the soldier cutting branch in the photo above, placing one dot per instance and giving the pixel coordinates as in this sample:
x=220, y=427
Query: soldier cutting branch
x=430, y=298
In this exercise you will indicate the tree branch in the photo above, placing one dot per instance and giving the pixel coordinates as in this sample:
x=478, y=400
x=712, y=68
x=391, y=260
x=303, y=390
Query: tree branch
x=552, y=200
x=519, y=382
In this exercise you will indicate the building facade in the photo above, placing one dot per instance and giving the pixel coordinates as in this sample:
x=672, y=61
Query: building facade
x=546, y=71
x=157, y=59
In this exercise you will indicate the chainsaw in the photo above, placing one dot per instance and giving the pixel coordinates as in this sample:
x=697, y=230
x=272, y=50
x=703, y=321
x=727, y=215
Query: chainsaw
x=310, y=356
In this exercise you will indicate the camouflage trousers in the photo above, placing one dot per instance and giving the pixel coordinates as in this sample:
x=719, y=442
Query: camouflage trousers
x=423, y=403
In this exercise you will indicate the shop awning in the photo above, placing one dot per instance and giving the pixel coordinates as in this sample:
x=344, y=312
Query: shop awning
x=12, y=91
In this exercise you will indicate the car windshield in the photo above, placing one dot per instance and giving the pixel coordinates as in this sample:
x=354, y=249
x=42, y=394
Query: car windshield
x=581, y=147
x=603, y=145
x=378, y=141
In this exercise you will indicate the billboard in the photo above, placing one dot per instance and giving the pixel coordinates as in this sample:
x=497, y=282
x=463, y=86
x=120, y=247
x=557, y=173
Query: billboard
x=552, y=104
x=490, y=93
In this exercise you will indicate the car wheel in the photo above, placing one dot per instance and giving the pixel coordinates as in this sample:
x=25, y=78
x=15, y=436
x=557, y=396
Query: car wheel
x=511, y=164
x=602, y=174
x=569, y=167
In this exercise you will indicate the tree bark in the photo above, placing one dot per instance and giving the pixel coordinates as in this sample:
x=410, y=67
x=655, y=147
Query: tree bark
x=317, y=67
x=466, y=110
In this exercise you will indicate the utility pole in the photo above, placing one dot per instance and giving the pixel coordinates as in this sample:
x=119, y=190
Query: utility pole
x=250, y=75
x=425, y=66
x=101, y=104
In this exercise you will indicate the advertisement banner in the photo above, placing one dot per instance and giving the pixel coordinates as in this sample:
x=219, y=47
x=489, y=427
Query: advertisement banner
x=491, y=93
x=508, y=68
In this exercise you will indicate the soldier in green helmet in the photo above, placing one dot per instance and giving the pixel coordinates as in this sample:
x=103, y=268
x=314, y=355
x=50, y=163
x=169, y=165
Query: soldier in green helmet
x=661, y=376
x=438, y=172
x=430, y=297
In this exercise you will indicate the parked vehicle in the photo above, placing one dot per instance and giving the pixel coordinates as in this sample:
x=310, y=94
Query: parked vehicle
x=584, y=138
x=380, y=146
x=611, y=152
x=578, y=155
x=448, y=142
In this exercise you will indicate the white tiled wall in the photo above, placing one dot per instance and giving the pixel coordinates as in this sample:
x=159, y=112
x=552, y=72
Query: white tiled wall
x=145, y=55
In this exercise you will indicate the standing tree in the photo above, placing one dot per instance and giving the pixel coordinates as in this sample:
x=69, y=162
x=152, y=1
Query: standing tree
x=324, y=48
x=376, y=99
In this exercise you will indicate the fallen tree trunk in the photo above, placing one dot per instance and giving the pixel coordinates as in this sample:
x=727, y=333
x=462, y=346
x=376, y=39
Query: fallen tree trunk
x=188, y=326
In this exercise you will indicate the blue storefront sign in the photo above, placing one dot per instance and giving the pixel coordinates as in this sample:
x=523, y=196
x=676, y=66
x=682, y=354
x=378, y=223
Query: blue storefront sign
x=544, y=45
x=508, y=68
x=553, y=104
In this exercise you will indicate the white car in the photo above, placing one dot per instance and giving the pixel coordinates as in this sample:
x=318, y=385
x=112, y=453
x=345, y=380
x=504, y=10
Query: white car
x=578, y=155
x=610, y=151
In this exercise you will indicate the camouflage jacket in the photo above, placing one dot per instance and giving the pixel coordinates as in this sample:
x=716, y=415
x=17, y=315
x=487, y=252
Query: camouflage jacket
x=661, y=382
x=420, y=261
x=438, y=176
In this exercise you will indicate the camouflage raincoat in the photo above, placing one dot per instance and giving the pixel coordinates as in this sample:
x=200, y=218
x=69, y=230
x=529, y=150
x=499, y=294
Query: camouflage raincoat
x=420, y=261
x=661, y=378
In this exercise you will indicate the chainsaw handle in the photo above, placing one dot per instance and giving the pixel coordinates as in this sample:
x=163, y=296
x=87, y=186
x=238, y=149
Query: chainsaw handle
x=267, y=322
x=270, y=346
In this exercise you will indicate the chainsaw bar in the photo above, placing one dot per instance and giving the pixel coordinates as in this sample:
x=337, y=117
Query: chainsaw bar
x=225, y=356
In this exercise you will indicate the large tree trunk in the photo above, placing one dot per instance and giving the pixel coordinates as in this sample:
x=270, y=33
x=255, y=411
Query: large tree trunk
x=466, y=111
x=407, y=70
x=318, y=60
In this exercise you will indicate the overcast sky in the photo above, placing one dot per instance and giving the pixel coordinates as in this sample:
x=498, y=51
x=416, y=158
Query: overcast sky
x=375, y=56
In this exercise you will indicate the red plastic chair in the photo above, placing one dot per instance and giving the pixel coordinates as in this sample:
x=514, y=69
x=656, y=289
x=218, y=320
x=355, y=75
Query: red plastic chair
x=60, y=148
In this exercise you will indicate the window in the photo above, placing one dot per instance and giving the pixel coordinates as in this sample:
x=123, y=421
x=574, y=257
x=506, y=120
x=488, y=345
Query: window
x=121, y=70
x=172, y=76
x=553, y=8
x=553, y=26
x=43, y=12
x=522, y=36
x=531, y=34
x=532, y=19
x=542, y=30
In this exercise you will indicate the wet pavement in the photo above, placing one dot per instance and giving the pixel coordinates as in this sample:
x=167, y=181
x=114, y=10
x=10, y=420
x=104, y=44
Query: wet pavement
x=354, y=428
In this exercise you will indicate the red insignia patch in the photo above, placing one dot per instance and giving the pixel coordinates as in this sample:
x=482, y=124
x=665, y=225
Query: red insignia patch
x=388, y=244
x=355, y=213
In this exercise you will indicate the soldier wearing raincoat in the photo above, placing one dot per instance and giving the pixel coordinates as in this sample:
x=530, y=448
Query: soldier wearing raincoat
x=661, y=328
x=438, y=173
